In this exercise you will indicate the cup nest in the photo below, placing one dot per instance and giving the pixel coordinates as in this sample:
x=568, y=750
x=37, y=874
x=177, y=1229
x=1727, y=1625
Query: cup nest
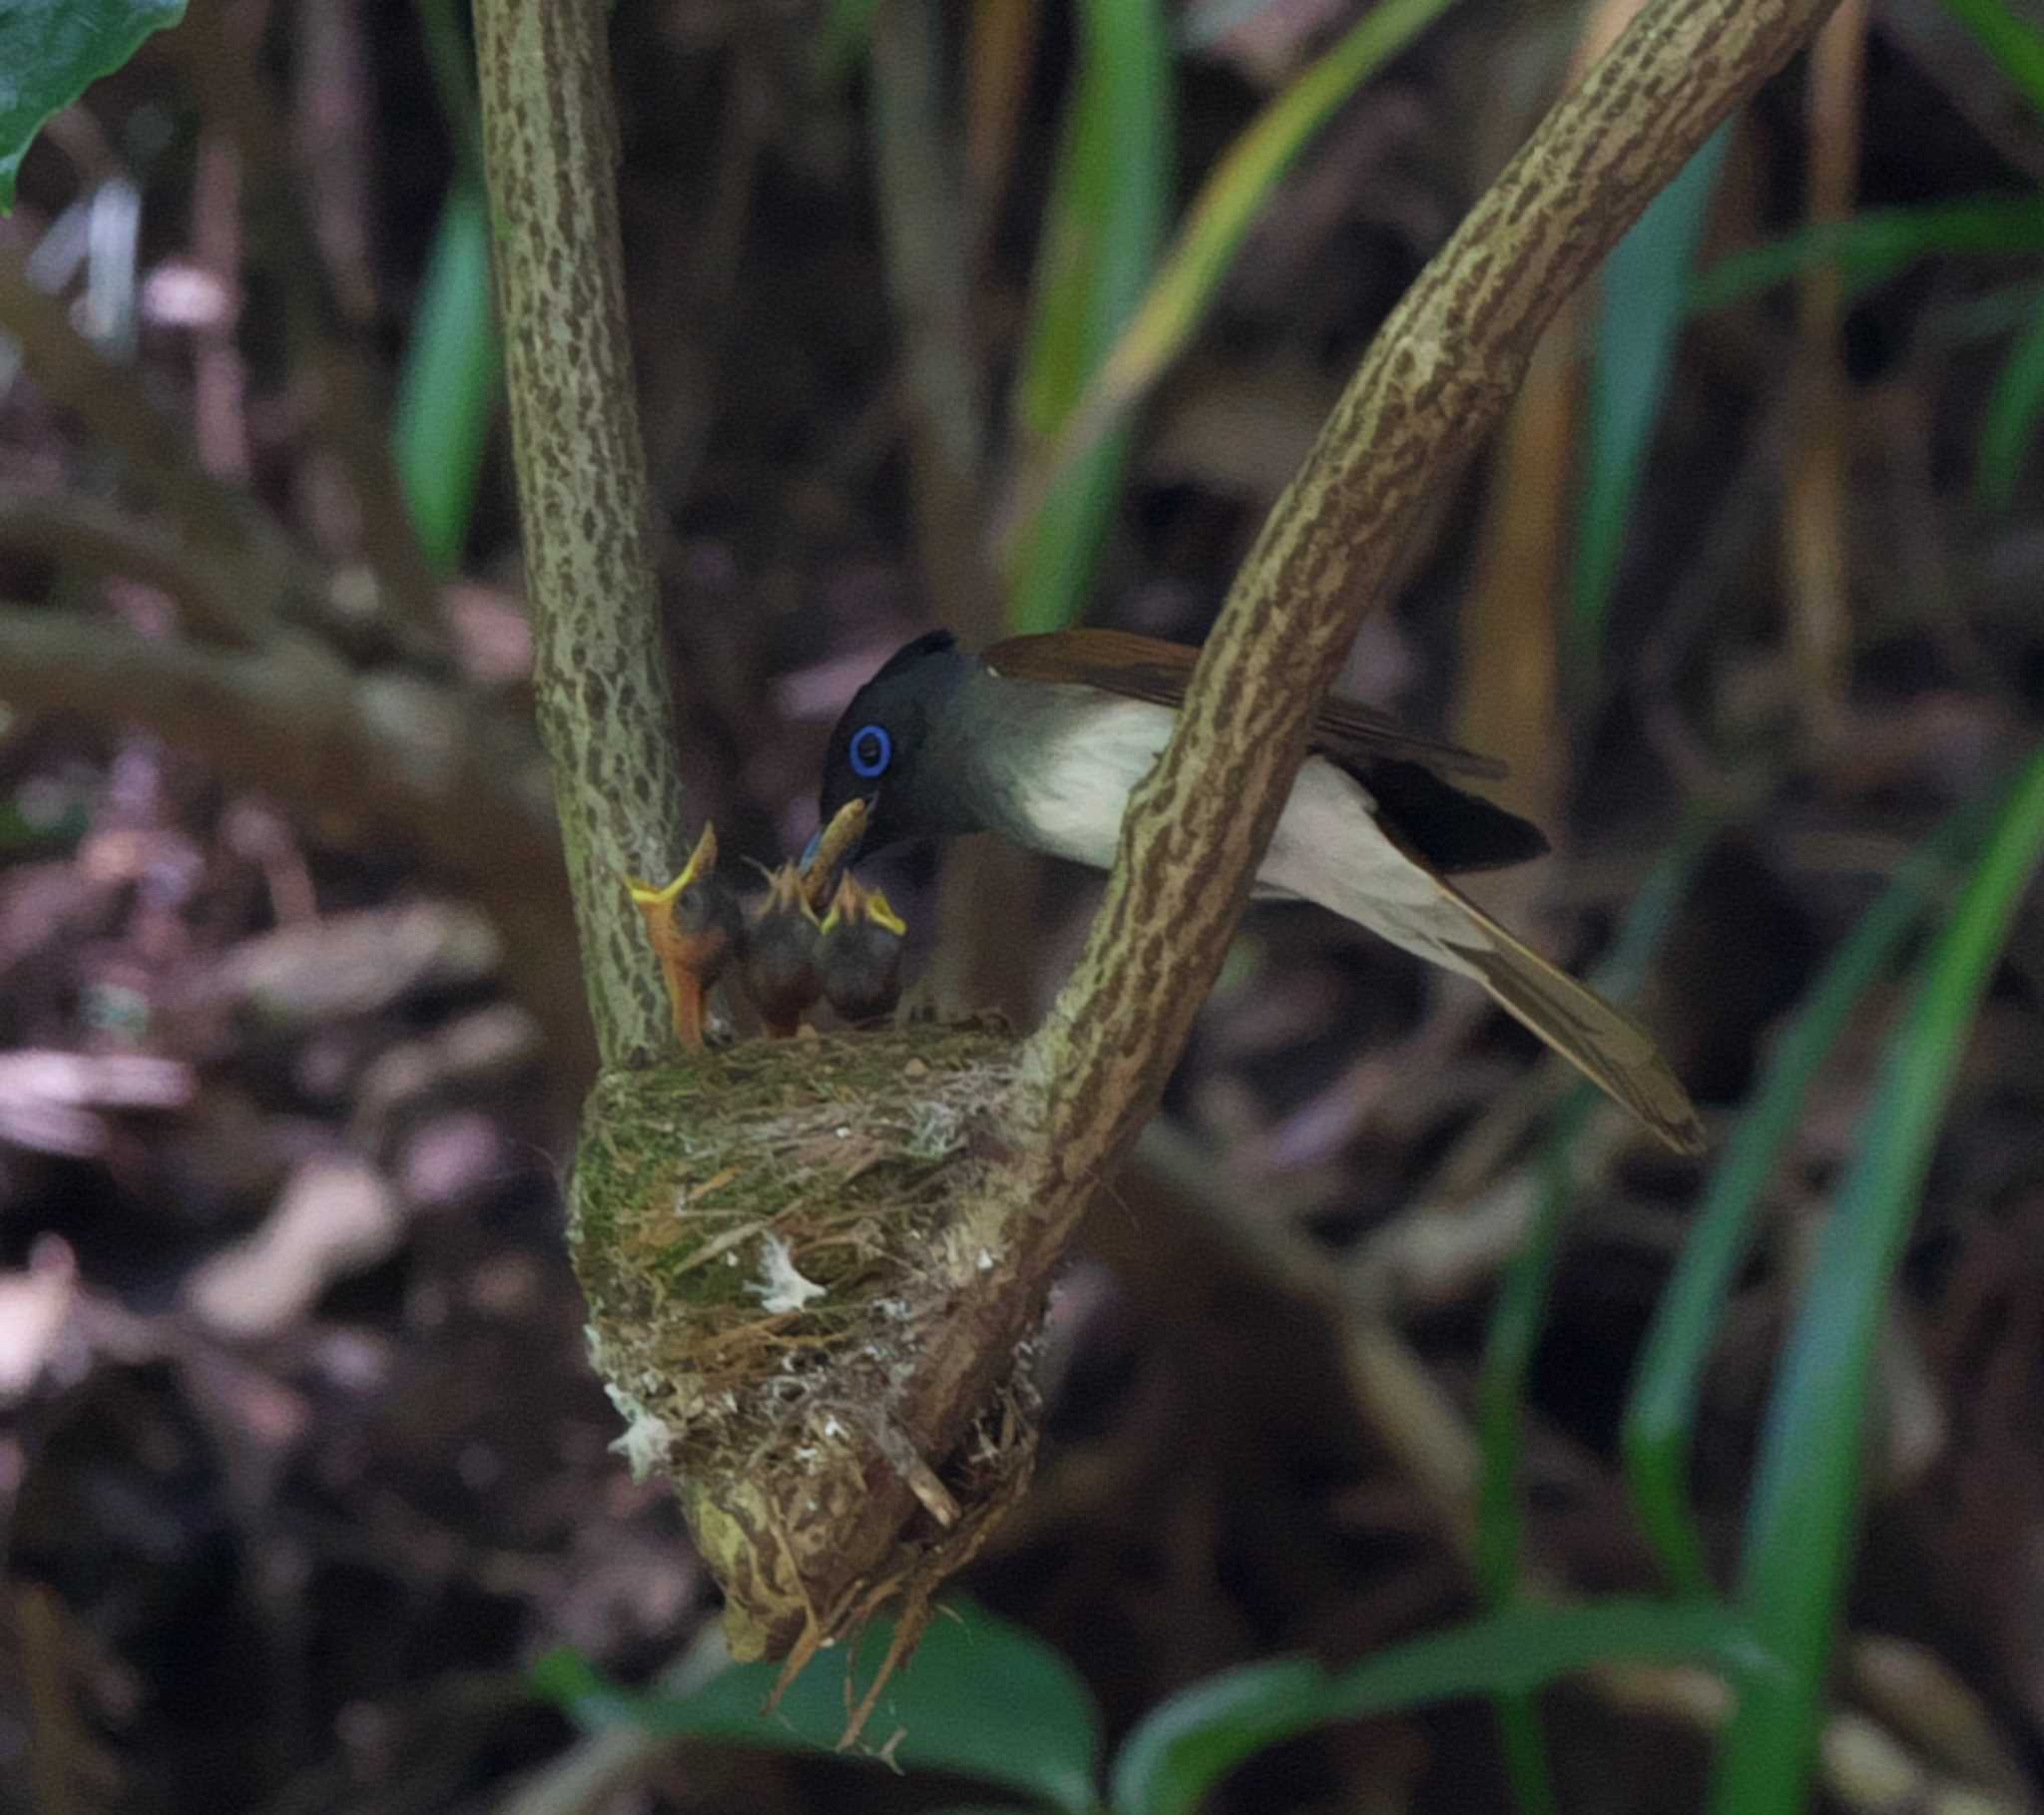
x=773, y=1240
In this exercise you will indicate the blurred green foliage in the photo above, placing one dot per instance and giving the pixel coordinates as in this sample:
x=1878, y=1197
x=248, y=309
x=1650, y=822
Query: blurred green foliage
x=51, y=50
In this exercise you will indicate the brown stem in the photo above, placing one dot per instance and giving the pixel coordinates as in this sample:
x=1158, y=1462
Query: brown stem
x=605, y=713
x=928, y=244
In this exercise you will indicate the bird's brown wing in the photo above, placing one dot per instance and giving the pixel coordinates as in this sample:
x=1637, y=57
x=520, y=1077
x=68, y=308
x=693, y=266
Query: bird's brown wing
x=1145, y=668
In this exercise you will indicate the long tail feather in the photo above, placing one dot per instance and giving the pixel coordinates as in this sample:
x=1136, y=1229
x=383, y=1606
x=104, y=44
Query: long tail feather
x=1605, y=1044
x=1333, y=847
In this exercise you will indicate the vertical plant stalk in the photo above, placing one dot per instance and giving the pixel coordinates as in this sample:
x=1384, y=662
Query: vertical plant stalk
x=1815, y=528
x=605, y=710
x=222, y=70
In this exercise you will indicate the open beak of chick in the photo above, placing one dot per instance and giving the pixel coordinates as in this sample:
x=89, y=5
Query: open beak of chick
x=779, y=966
x=692, y=923
x=860, y=952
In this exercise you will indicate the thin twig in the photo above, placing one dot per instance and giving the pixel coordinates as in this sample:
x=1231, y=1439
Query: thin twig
x=334, y=108
x=680, y=367
x=1815, y=533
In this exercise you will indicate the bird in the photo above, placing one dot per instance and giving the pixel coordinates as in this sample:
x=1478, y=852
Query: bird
x=859, y=953
x=1041, y=738
x=778, y=965
x=692, y=923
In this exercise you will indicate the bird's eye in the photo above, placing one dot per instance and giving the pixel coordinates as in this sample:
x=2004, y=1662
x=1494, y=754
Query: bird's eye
x=871, y=751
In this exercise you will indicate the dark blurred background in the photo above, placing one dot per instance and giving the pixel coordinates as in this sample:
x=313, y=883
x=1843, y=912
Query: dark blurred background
x=301, y=1462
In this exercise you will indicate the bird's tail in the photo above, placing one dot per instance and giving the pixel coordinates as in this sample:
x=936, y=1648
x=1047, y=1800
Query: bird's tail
x=1605, y=1044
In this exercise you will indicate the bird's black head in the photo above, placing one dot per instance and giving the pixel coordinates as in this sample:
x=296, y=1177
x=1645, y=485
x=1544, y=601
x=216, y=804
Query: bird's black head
x=875, y=752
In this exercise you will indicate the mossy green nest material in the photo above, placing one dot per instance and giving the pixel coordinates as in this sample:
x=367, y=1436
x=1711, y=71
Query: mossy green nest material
x=768, y=1239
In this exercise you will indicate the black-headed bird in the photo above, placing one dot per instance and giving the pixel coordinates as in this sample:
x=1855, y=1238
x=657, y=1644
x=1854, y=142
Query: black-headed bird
x=1043, y=739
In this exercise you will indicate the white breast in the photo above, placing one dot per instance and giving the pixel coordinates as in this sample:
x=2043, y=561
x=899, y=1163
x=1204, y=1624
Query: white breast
x=1073, y=798
x=1327, y=847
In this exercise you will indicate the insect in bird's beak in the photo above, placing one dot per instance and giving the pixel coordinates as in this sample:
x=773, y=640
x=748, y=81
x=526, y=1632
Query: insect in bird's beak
x=832, y=847
x=831, y=851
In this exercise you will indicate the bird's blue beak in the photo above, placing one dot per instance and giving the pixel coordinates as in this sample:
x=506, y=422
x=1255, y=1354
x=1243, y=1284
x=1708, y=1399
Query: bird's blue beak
x=809, y=851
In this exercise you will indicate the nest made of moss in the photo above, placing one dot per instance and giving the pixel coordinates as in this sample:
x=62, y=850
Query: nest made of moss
x=767, y=1238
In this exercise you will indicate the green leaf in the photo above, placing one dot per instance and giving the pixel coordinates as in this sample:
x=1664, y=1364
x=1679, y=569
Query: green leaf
x=1668, y=1378
x=452, y=60
x=841, y=43
x=1205, y=249
x=1509, y=1345
x=2012, y=412
x=2011, y=40
x=980, y=1697
x=1521, y=1311
x=453, y=374
x=1802, y=1520
x=1876, y=245
x=52, y=51
x=1521, y=1314
x=1644, y=299
x=1109, y=195
x=1183, y=1749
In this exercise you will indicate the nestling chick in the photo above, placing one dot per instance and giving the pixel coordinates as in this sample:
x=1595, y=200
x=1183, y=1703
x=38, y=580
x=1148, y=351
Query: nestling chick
x=779, y=961
x=860, y=953
x=694, y=925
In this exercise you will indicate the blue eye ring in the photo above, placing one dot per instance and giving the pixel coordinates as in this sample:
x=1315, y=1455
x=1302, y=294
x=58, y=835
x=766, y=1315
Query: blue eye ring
x=870, y=751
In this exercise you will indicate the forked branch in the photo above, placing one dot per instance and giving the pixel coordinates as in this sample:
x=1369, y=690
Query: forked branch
x=812, y=1497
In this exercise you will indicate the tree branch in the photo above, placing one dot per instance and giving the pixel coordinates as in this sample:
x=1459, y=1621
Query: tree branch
x=874, y=1462
x=1432, y=386
x=605, y=710
x=293, y=718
